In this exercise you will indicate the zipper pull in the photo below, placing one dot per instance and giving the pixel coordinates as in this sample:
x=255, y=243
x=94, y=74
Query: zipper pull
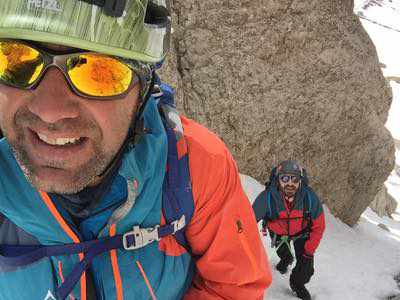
x=239, y=226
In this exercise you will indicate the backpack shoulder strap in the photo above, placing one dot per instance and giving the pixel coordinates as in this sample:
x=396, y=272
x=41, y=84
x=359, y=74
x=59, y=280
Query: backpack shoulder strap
x=308, y=201
x=307, y=208
x=275, y=201
x=177, y=200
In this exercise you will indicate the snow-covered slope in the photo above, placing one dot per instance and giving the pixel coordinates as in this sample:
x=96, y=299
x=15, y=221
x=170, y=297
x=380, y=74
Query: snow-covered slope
x=383, y=12
x=350, y=264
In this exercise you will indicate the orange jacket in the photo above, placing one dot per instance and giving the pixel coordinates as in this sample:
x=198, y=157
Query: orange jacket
x=230, y=258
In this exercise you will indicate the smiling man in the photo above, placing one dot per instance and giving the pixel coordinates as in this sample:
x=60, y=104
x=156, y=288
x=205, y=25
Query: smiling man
x=106, y=192
x=63, y=145
x=291, y=211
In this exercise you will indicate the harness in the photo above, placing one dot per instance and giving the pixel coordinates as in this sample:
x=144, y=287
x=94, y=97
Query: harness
x=177, y=206
x=285, y=239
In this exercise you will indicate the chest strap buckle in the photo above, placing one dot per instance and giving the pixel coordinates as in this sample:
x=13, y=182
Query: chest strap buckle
x=140, y=237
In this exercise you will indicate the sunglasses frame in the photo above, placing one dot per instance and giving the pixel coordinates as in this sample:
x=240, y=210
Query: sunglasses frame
x=141, y=72
x=290, y=176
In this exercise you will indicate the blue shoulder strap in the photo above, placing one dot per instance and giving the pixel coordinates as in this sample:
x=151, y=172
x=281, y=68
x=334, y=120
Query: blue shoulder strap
x=177, y=201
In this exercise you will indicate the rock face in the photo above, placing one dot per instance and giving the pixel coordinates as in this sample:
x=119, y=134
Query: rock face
x=284, y=79
x=383, y=204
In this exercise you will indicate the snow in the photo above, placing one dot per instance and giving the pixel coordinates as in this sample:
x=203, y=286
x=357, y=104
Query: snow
x=387, y=44
x=385, y=12
x=393, y=186
x=351, y=263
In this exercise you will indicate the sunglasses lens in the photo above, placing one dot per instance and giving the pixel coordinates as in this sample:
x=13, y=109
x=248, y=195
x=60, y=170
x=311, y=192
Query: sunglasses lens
x=284, y=178
x=295, y=179
x=99, y=75
x=287, y=178
x=20, y=65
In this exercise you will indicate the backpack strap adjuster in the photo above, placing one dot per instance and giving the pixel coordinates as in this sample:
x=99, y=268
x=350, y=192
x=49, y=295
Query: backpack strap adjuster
x=140, y=237
x=179, y=224
x=157, y=92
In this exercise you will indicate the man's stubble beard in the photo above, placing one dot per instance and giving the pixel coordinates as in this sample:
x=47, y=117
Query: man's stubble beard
x=290, y=193
x=287, y=193
x=82, y=176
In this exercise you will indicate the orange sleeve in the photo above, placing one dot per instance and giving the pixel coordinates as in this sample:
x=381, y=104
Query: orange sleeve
x=223, y=235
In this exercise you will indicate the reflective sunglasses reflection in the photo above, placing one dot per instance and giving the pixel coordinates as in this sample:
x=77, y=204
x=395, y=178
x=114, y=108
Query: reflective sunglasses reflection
x=286, y=178
x=89, y=74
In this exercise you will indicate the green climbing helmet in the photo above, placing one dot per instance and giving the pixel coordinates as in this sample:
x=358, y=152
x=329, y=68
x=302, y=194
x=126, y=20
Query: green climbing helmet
x=134, y=29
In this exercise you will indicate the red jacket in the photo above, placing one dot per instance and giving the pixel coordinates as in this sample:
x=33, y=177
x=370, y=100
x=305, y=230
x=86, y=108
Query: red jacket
x=306, y=215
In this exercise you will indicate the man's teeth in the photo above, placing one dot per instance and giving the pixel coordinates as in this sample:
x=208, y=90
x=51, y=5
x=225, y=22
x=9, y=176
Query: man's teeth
x=58, y=141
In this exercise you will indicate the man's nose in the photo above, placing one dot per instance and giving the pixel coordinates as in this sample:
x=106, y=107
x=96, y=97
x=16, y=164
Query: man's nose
x=53, y=99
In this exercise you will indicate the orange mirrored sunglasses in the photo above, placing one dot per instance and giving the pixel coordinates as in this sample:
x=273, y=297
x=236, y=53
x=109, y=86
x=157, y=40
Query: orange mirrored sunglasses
x=90, y=75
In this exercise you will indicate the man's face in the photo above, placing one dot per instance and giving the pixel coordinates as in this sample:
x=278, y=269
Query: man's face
x=63, y=141
x=289, y=184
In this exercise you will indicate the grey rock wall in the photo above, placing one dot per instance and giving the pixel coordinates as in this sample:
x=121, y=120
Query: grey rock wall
x=283, y=79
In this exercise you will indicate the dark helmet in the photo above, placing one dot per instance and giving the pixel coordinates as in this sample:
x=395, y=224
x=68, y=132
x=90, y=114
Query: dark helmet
x=289, y=167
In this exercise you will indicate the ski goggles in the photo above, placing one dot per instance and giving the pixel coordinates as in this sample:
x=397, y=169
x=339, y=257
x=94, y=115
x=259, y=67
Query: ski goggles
x=286, y=178
x=89, y=74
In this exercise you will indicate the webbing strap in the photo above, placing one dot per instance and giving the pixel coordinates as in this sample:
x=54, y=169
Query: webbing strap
x=285, y=239
x=177, y=188
x=24, y=255
x=71, y=280
x=20, y=255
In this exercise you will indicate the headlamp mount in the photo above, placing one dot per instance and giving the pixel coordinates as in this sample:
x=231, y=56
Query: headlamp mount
x=112, y=8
